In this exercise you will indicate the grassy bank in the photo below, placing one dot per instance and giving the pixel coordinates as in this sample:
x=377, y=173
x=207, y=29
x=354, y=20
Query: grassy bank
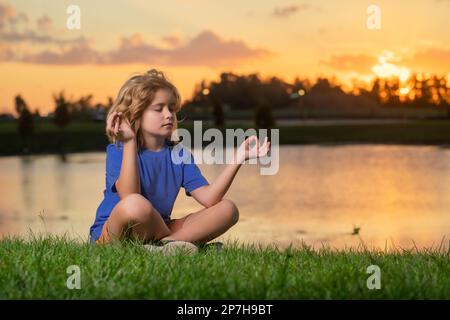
x=80, y=137
x=37, y=269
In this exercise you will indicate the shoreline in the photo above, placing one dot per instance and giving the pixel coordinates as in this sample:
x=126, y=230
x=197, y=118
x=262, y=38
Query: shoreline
x=90, y=137
x=320, y=144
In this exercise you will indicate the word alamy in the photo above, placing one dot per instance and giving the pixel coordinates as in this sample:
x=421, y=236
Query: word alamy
x=215, y=153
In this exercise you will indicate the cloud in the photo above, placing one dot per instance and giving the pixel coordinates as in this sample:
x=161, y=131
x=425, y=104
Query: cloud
x=357, y=63
x=287, y=11
x=172, y=41
x=44, y=23
x=6, y=54
x=7, y=13
x=14, y=28
x=76, y=54
x=434, y=59
x=31, y=36
x=9, y=18
x=133, y=49
x=206, y=49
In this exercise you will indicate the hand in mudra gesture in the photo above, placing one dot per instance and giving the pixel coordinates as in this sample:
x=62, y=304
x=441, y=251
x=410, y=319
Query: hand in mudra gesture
x=248, y=150
x=119, y=127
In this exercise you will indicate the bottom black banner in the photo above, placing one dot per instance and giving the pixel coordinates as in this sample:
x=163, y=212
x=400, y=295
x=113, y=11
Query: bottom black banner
x=226, y=309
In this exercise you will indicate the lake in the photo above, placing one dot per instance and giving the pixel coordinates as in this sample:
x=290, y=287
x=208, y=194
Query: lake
x=399, y=196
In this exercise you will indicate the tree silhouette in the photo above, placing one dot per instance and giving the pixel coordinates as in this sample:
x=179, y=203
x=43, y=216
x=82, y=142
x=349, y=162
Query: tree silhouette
x=109, y=104
x=82, y=109
x=62, y=115
x=376, y=90
x=37, y=114
x=326, y=97
x=263, y=114
x=25, y=120
x=218, y=114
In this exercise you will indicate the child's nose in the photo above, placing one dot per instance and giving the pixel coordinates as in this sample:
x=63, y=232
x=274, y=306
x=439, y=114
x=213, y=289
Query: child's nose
x=168, y=113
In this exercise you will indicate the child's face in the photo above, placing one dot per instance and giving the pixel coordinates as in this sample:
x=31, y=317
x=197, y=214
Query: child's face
x=159, y=117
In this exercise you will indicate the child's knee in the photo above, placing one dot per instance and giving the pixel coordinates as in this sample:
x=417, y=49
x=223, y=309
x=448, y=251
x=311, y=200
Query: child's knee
x=231, y=210
x=136, y=208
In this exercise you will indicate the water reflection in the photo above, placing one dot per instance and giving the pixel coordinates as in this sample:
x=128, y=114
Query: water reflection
x=62, y=192
x=27, y=184
x=395, y=194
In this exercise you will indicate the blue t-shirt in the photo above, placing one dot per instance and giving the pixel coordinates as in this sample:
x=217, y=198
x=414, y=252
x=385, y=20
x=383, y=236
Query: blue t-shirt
x=160, y=178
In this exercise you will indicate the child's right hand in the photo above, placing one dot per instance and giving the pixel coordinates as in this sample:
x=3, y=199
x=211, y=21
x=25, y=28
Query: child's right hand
x=119, y=127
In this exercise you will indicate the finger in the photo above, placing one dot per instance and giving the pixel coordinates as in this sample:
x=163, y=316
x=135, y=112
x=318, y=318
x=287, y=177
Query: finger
x=115, y=119
x=110, y=129
x=253, y=139
x=116, y=126
x=265, y=149
x=109, y=121
x=248, y=141
x=256, y=143
x=113, y=116
x=126, y=121
x=110, y=116
x=120, y=120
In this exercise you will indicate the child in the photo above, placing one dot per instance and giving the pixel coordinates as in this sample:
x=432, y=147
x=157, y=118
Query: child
x=142, y=181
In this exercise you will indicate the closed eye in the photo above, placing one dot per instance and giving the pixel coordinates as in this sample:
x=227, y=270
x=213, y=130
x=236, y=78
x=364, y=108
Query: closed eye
x=160, y=106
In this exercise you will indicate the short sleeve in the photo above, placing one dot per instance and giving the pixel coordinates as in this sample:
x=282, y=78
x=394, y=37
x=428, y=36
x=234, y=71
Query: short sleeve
x=192, y=177
x=113, y=164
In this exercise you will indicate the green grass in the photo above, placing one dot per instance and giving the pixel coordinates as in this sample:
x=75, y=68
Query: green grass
x=36, y=269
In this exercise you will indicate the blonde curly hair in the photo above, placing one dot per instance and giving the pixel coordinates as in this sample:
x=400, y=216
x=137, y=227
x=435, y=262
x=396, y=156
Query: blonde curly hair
x=135, y=96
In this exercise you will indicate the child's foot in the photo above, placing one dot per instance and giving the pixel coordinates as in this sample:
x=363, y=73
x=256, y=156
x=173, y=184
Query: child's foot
x=169, y=247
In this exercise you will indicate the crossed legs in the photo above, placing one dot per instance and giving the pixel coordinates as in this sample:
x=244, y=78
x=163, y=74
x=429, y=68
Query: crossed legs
x=134, y=216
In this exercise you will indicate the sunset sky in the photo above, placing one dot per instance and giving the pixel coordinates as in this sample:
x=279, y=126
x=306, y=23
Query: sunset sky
x=198, y=39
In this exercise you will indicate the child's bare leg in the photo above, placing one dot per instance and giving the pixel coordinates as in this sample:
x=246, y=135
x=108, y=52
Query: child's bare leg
x=206, y=224
x=134, y=214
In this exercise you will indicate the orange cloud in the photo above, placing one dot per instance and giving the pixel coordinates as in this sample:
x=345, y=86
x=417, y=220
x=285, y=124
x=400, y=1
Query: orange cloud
x=357, y=63
x=76, y=54
x=15, y=28
x=173, y=41
x=44, y=23
x=434, y=59
x=206, y=49
x=5, y=52
x=7, y=13
x=285, y=12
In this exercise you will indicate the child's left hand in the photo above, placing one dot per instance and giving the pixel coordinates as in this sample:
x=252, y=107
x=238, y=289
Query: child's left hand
x=247, y=151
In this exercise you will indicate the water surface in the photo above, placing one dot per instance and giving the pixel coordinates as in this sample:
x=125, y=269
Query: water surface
x=395, y=194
